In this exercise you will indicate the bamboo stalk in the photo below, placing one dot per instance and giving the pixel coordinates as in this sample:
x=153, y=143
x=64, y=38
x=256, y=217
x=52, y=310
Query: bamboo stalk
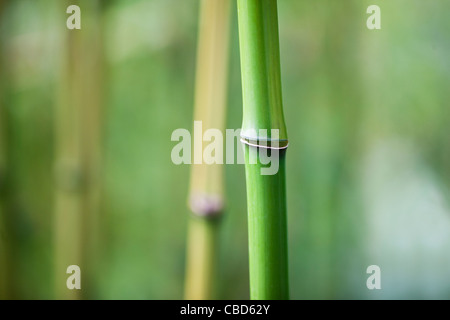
x=92, y=140
x=68, y=166
x=78, y=146
x=266, y=194
x=9, y=244
x=4, y=279
x=206, y=195
x=201, y=263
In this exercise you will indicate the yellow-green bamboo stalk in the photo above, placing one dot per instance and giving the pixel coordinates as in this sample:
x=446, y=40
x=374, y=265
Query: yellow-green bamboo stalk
x=68, y=165
x=206, y=194
x=3, y=248
x=92, y=139
x=3, y=239
x=8, y=230
x=78, y=153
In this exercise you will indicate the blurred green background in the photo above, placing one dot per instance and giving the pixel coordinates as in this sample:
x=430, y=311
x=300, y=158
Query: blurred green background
x=368, y=166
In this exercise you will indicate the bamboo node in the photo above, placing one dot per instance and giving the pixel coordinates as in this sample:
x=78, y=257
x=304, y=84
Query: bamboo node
x=267, y=144
x=69, y=177
x=206, y=205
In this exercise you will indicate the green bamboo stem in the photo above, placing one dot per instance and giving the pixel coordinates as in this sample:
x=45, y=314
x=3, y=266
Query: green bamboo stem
x=206, y=194
x=266, y=194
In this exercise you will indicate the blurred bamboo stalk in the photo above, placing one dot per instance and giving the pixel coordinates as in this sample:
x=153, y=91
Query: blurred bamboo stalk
x=68, y=166
x=206, y=195
x=93, y=115
x=78, y=153
x=4, y=278
x=9, y=244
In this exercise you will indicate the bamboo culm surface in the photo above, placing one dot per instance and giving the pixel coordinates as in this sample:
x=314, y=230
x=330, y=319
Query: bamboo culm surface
x=262, y=109
x=206, y=194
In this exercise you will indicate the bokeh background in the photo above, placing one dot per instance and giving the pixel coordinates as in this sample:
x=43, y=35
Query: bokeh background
x=368, y=166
